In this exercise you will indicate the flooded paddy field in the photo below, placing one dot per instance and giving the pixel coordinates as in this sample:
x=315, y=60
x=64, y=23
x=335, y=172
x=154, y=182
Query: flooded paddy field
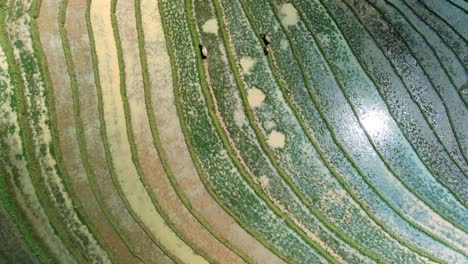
x=233, y=131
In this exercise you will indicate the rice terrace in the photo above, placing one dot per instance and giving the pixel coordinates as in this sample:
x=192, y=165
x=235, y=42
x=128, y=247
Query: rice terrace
x=233, y=131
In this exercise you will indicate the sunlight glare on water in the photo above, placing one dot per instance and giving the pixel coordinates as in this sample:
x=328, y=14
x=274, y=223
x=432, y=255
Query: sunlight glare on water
x=375, y=122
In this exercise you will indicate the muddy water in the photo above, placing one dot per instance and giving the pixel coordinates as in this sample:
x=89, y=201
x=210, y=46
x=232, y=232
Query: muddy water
x=289, y=15
x=34, y=91
x=276, y=139
x=255, y=97
x=247, y=63
x=211, y=26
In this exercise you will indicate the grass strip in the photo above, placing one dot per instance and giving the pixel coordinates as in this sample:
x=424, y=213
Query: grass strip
x=82, y=144
x=103, y=133
x=442, y=29
x=159, y=148
x=192, y=151
x=30, y=237
x=131, y=138
x=30, y=68
x=385, y=162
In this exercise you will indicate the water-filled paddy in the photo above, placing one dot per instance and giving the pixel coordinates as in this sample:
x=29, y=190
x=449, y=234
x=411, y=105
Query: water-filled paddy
x=233, y=131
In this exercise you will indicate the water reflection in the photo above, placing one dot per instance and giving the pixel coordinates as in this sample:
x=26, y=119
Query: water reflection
x=376, y=123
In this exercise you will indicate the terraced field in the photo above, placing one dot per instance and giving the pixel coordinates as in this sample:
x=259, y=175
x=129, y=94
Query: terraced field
x=341, y=137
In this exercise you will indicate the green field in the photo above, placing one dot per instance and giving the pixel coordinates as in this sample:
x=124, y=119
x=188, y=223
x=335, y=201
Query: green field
x=342, y=137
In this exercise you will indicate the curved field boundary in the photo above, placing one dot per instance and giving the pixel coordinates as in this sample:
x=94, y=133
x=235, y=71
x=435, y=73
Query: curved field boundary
x=23, y=241
x=250, y=44
x=461, y=4
x=221, y=126
x=351, y=182
x=320, y=244
x=456, y=80
x=104, y=20
x=18, y=198
x=432, y=201
x=90, y=106
x=227, y=165
x=450, y=14
x=143, y=155
x=277, y=48
x=126, y=252
x=451, y=63
x=387, y=165
x=175, y=148
x=229, y=110
x=380, y=79
x=373, y=73
x=450, y=135
x=151, y=168
x=40, y=149
x=68, y=130
x=445, y=54
x=339, y=138
x=92, y=246
x=444, y=30
x=157, y=141
x=283, y=173
x=15, y=249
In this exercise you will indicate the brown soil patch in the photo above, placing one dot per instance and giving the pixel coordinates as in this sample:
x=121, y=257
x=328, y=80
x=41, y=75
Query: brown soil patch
x=80, y=48
x=173, y=142
x=149, y=159
x=116, y=128
x=66, y=127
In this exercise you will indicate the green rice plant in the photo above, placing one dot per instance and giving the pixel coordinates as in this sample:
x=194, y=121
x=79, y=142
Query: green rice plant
x=286, y=69
x=446, y=56
x=221, y=173
x=444, y=30
x=369, y=197
x=458, y=177
x=382, y=211
x=40, y=148
x=305, y=185
x=358, y=99
x=429, y=99
x=12, y=189
x=156, y=138
x=450, y=14
x=442, y=79
x=296, y=131
x=230, y=110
